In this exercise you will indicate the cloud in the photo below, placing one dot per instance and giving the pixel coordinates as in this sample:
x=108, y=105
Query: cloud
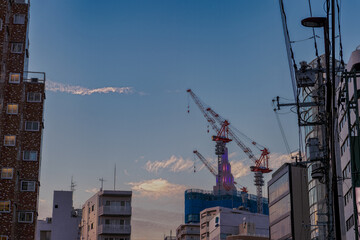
x=156, y=188
x=126, y=172
x=93, y=190
x=78, y=90
x=278, y=159
x=174, y=164
x=239, y=169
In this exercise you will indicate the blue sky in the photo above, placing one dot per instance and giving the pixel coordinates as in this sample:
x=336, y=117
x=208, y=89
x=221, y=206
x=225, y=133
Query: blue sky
x=231, y=53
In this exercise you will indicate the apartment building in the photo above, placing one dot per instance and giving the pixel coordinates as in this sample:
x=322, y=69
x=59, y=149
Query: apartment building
x=344, y=145
x=107, y=216
x=190, y=231
x=21, y=124
x=65, y=220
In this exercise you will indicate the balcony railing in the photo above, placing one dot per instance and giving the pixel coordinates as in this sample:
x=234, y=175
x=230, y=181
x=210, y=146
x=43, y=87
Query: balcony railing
x=114, y=210
x=34, y=77
x=190, y=232
x=114, y=229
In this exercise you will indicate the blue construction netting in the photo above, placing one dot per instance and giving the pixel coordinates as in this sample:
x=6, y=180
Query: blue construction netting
x=197, y=200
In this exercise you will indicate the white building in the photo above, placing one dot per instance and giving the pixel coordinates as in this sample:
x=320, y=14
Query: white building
x=65, y=220
x=188, y=231
x=219, y=222
x=344, y=142
x=107, y=216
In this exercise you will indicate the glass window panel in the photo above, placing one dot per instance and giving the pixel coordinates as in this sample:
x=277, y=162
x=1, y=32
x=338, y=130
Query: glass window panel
x=279, y=209
x=279, y=187
x=281, y=229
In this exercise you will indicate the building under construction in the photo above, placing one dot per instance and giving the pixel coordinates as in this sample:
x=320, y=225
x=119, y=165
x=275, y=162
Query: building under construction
x=224, y=194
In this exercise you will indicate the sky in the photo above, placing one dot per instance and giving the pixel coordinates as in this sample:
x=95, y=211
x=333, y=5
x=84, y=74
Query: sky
x=117, y=73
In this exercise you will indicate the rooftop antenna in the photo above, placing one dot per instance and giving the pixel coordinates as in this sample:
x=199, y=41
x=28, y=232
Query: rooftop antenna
x=114, y=176
x=73, y=184
x=102, y=180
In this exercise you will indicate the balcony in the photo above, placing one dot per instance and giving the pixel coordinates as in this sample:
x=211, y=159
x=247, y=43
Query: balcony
x=114, y=210
x=34, y=77
x=114, y=229
x=190, y=232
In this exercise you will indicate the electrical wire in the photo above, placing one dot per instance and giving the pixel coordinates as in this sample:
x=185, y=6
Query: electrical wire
x=314, y=36
x=289, y=50
x=340, y=41
x=282, y=133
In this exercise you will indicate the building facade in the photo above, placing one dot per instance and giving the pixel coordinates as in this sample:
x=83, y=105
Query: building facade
x=189, y=231
x=219, y=223
x=65, y=220
x=344, y=144
x=107, y=216
x=289, y=203
x=21, y=123
x=196, y=200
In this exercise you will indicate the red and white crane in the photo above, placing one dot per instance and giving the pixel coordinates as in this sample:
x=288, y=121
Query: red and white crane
x=227, y=133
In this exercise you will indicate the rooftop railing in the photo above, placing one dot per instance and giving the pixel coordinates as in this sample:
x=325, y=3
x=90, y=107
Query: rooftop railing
x=34, y=77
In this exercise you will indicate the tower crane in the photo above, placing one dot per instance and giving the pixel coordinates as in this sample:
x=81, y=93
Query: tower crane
x=213, y=170
x=224, y=133
x=261, y=164
x=224, y=177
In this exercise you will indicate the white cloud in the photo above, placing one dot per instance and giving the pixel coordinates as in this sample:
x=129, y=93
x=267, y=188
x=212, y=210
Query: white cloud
x=278, y=159
x=173, y=164
x=93, y=190
x=78, y=90
x=239, y=169
x=156, y=188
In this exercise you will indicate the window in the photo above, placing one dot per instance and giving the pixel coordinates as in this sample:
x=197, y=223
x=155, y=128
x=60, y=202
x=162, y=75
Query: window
x=348, y=197
x=19, y=18
x=342, y=122
x=92, y=208
x=12, y=108
x=92, y=226
x=30, y=155
x=31, y=126
x=350, y=223
x=14, y=78
x=344, y=146
x=25, y=217
x=4, y=206
x=3, y=237
x=28, y=186
x=7, y=173
x=347, y=171
x=45, y=235
x=1, y=24
x=17, y=47
x=34, y=97
x=9, y=140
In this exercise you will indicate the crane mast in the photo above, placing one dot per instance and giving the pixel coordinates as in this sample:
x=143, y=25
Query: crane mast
x=213, y=170
x=261, y=164
x=224, y=180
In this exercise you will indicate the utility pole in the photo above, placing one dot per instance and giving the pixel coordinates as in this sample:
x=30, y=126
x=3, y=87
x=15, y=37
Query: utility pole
x=335, y=206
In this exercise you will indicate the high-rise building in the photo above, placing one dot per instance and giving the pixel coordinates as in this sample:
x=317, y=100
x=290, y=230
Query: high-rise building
x=344, y=144
x=107, y=216
x=289, y=203
x=21, y=123
x=65, y=220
